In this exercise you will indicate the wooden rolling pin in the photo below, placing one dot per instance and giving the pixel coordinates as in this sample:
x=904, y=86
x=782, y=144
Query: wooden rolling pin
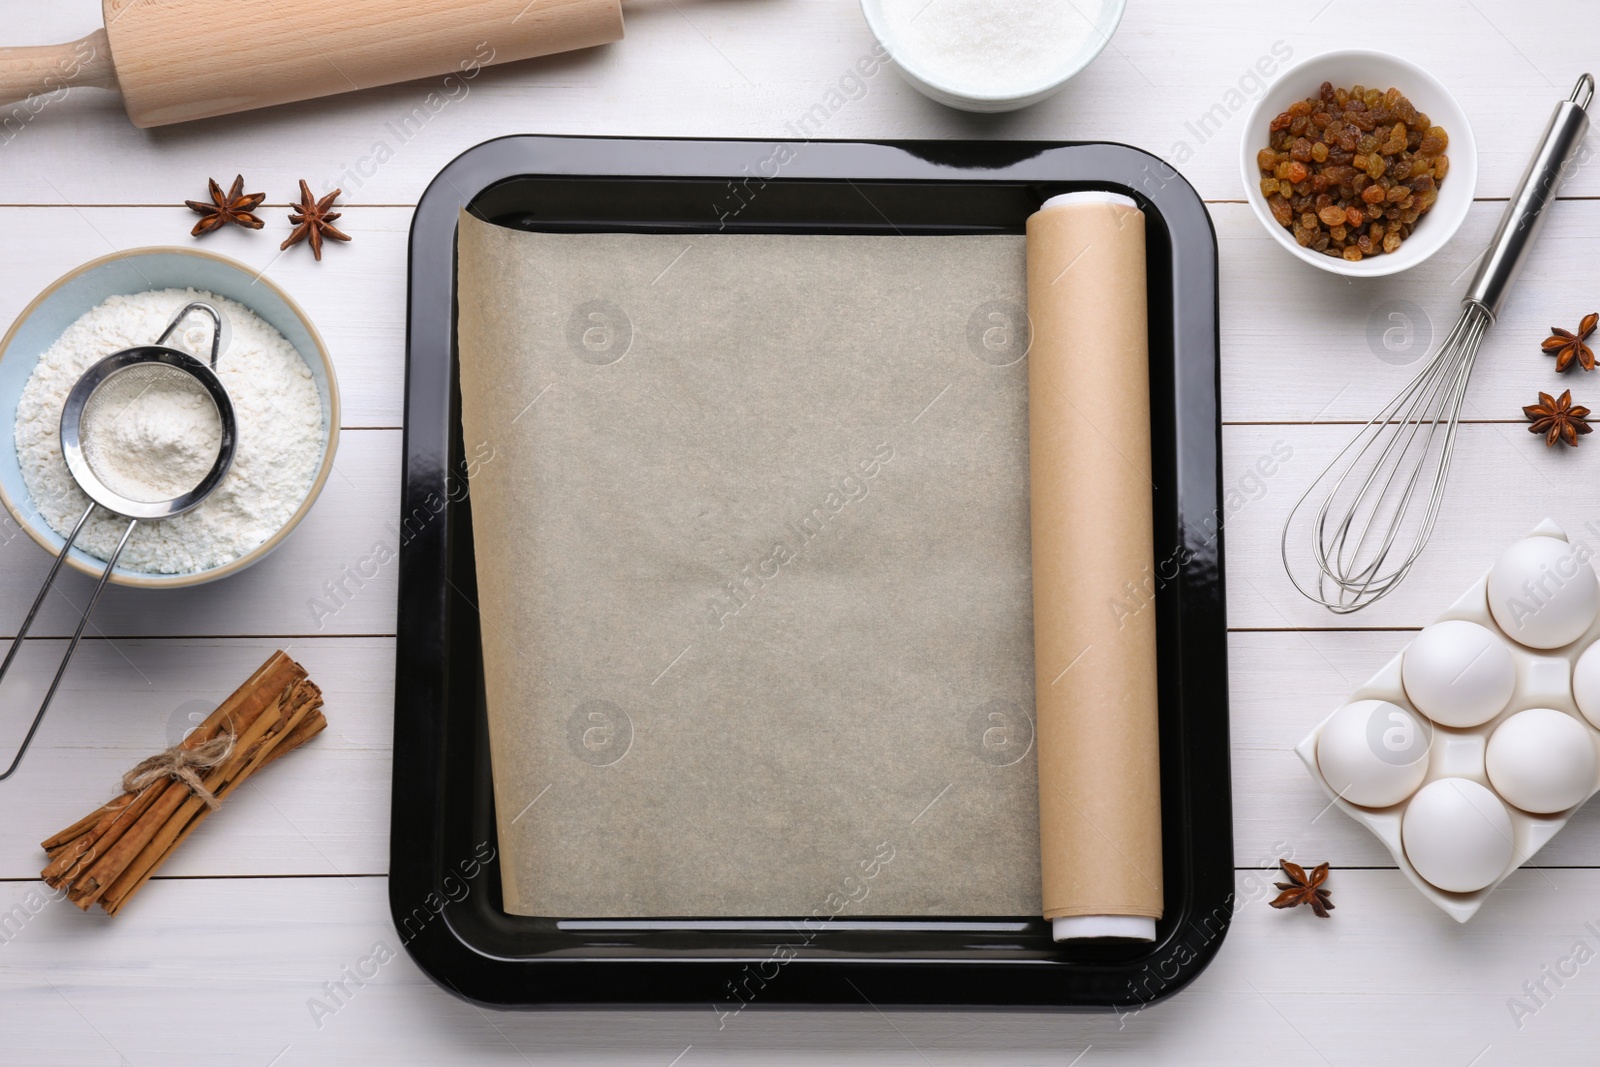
x=177, y=60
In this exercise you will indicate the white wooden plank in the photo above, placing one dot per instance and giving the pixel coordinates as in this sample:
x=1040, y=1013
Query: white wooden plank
x=205, y=972
x=326, y=810
x=1328, y=362
x=322, y=810
x=1504, y=481
x=752, y=70
x=1301, y=345
x=359, y=508
x=356, y=296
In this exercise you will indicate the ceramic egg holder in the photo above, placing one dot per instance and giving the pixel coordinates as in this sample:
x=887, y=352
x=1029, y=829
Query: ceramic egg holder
x=1543, y=680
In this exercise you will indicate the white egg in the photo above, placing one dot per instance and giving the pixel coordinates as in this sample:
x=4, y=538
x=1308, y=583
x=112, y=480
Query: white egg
x=1543, y=592
x=1541, y=760
x=1457, y=835
x=1586, y=684
x=1374, y=753
x=1458, y=673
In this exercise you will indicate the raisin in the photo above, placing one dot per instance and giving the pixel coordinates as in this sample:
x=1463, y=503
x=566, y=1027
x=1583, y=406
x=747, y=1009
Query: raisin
x=1349, y=172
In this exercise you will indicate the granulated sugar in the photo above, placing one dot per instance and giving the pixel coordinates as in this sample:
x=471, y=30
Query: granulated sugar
x=280, y=428
x=990, y=46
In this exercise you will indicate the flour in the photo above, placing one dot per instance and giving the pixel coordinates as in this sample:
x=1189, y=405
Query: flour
x=163, y=440
x=151, y=434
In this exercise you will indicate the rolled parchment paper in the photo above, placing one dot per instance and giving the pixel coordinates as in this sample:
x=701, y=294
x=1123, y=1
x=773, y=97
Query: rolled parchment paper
x=1094, y=626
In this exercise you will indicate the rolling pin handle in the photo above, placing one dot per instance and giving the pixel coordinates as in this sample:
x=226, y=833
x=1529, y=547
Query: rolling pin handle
x=39, y=70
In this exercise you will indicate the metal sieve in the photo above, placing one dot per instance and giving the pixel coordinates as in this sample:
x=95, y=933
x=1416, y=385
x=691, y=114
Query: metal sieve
x=108, y=391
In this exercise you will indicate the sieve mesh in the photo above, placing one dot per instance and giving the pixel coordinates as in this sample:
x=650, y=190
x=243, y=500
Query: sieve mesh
x=151, y=432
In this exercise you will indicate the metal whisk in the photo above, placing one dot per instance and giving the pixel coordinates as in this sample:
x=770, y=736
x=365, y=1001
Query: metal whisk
x=1380, y=496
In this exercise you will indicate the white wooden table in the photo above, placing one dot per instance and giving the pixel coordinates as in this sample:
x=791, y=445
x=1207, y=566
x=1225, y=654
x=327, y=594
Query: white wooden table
x=223, y=960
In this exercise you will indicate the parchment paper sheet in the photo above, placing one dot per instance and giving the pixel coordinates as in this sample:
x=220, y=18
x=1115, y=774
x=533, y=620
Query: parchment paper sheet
x=753, y=568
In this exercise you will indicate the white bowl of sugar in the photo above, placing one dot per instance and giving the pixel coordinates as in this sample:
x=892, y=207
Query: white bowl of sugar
x=991, y=55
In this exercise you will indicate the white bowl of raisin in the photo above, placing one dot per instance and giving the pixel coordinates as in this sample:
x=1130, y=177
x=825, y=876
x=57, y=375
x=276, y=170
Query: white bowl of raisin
x=1359, y=162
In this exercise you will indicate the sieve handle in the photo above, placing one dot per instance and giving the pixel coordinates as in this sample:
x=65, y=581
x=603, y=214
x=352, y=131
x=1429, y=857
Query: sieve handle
x=83, y=621
x=219, y=327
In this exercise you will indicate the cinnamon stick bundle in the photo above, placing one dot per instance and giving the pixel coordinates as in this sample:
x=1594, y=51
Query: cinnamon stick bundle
x=110, y=853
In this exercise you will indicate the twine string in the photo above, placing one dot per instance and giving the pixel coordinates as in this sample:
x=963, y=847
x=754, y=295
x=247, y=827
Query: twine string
x=183, y=764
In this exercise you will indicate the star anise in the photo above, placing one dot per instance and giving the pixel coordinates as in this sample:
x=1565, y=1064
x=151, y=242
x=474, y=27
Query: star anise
x=1558, y=419
x=1567, y=347
x=1303, y=888
x=313, y=221
x=235, y=207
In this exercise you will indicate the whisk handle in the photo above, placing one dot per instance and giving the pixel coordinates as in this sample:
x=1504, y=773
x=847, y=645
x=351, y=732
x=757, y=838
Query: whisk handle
x=1557, y=152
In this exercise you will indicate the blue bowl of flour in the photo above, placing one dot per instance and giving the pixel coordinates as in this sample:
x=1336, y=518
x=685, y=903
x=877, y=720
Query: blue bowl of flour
x=139, y=270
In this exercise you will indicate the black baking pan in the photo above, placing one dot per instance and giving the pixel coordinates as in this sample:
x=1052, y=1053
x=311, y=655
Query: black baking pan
x=444, y=883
